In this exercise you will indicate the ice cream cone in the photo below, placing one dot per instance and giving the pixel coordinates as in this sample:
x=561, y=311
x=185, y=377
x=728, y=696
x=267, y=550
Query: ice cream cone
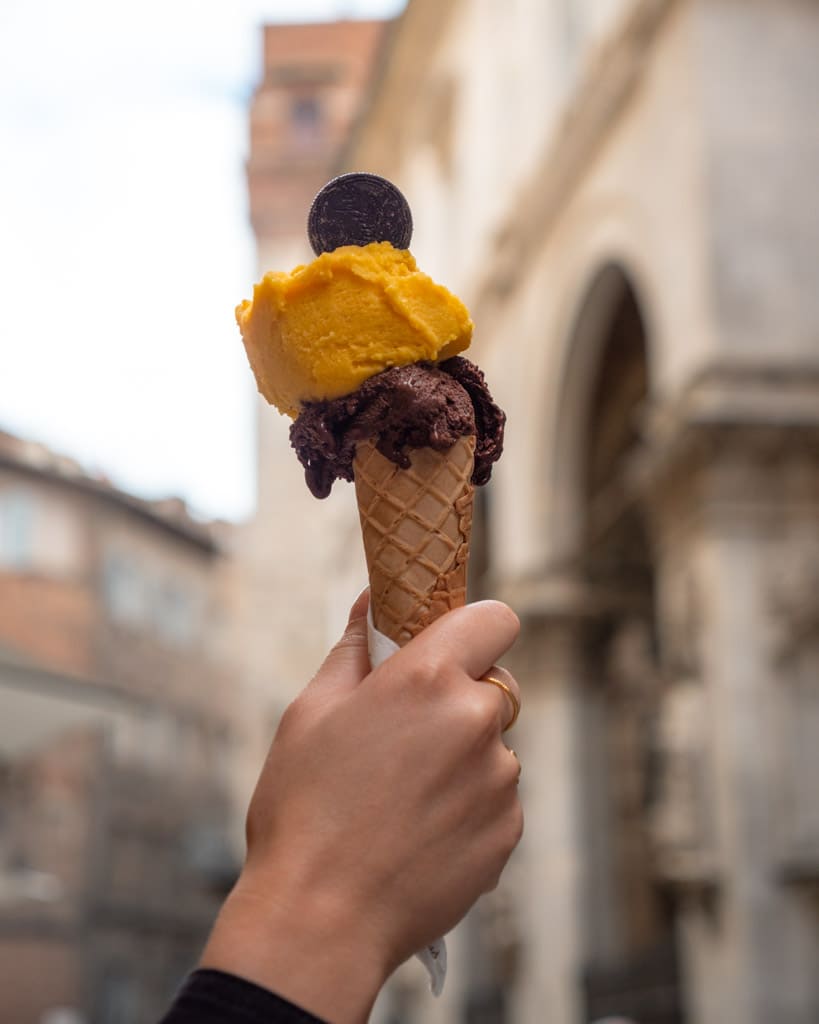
x=416, y=526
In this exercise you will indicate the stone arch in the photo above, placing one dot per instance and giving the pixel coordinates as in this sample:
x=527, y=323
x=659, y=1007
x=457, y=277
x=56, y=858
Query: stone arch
x=604, y=291
x=599, y=516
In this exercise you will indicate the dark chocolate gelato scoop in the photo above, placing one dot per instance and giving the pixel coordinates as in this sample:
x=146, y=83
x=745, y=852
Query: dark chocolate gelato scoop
x=416, y=406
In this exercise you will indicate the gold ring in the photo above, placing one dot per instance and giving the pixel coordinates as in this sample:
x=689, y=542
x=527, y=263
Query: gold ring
x=510, y=696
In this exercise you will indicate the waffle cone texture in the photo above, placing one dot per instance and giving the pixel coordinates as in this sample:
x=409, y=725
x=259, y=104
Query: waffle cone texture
x=416, y=525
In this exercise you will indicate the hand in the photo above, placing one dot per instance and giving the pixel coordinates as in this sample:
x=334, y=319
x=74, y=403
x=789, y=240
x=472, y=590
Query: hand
x=387, y=804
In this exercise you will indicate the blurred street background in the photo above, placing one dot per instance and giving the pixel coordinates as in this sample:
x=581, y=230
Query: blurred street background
x=624, y=193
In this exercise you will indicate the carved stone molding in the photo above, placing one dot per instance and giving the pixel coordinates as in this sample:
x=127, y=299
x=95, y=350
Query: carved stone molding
x=614, y=72
x=747, y=423
x=680, y=821
x=793, y=609
x=793, y=615
x=555, y=596
x=802, y=871
x=681, y=627
x=793, y=602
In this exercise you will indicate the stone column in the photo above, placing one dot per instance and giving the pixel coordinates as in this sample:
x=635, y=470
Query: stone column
x=548, y=866
x=736, y=514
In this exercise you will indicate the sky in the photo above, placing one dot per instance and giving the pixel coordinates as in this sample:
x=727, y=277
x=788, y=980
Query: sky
x=124, y=237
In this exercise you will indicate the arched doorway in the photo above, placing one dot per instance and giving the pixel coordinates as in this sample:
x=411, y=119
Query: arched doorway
x=630, y=968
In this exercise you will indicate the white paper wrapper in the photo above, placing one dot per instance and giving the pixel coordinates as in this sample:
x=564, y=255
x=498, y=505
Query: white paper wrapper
x=433, y=957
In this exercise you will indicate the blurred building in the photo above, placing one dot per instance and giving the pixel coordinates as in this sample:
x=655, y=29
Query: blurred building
x=115, y=743
x=624, y=192
x=313, y=84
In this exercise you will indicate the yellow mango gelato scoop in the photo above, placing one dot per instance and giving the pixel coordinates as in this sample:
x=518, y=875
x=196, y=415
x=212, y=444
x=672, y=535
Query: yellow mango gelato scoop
x=321, y=330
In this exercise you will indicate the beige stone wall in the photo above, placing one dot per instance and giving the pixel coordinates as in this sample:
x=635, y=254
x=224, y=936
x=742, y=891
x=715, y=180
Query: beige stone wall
x=759, y=76
x=609, y=210
x=674, y=140
x=555, y=153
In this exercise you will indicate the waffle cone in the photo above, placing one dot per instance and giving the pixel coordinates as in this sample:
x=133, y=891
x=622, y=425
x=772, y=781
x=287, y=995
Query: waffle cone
x=416, y=525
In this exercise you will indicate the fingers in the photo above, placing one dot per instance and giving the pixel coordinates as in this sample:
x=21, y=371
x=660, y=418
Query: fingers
x=474, y=637
x=348, y=662
x=447, y=661
x=503, y=811
x=508, y=832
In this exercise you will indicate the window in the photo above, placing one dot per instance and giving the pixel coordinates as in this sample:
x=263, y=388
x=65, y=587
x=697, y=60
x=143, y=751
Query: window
x=176, y=614
x=17, y=511
x=305, y=118
x=125, y=590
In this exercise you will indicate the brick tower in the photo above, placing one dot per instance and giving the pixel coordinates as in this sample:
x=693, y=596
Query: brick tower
x=299, y=580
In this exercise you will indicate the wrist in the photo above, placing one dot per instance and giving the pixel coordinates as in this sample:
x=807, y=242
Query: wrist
x=308, y=947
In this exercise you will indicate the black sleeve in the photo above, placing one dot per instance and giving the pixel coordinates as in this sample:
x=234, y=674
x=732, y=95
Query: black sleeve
x=213, y=997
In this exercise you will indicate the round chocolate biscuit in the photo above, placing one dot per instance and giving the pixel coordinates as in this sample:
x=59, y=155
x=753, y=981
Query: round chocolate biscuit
x=356, y=209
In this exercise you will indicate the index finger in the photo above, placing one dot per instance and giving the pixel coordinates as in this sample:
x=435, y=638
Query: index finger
x=475, y=636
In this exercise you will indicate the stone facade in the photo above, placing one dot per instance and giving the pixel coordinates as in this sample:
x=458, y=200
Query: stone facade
x=116, y=743
x=623, y=193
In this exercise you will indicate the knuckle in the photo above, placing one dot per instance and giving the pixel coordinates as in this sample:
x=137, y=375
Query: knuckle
x=480, y=715
x=289, y=717
x=352, y=640
x=251, y=826
x=494, y=880
x=299, y=717
x=516, y=825
x=502, y=841
x=427, y=671
x=508, y=841
x=510, y=770
x=498, y=863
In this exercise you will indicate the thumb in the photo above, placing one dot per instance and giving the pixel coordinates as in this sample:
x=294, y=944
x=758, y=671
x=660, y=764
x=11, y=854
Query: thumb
x=349, y=661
